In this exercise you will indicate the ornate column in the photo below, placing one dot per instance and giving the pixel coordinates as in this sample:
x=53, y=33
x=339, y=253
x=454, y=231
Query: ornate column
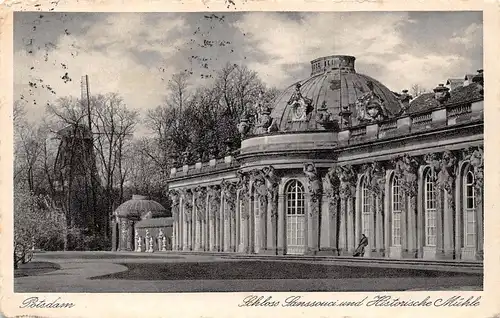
x=379, y=189
x=229, y=194
x=174, y=198
x=406, y=169
x=200, y=194
x=446, y=184
x=188, y=214
x=214, y=211
x=315, y=188
x=333, y=197
x=347, y=178
x=243, y=197
x=260, y=192
x=476, y=160
x=272, y=185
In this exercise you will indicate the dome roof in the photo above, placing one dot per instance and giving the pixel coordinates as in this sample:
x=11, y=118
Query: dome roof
x=333, y=84
x=140, y=207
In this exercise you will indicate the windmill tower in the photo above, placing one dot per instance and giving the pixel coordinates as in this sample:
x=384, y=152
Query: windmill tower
x=78, y=179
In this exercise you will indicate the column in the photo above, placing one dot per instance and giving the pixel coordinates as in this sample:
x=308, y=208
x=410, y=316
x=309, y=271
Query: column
x=332, y=223
x=379, y=227
x=439, y=222
x=448, y=225
x=227, y=228
x=220, y=223
x=313, y=224
x=281, y=224
x=412, y=226
x=245, y=227
x=237, y=224
x=479, y=225
x=371, y=231
x=387, y=215
x=174, y=225
x=343, y=226
x=252, y=238
x=263, y=225
x=350, y=226
x=404, y=226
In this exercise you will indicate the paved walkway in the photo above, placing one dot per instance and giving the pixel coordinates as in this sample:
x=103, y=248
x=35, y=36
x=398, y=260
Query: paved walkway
x=76, y=269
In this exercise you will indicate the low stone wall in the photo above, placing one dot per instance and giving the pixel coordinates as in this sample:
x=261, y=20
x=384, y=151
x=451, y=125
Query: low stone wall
x=153, y=235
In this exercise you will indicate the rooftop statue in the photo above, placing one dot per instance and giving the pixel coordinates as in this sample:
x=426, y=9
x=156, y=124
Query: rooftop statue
x=370, y=106
x=301, y=106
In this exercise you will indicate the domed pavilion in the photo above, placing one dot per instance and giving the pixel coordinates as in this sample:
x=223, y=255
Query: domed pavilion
x=134, y=218
x=339, y=156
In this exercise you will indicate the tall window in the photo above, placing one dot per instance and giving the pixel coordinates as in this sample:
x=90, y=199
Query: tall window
x=397, y=206
x=470, y=210
x=366, y=212
x=295, y=210
x=430, y=198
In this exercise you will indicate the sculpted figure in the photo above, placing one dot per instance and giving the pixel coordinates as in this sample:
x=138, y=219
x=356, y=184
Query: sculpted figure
x=447, y=171
x=148, y=242
x=347, y=179
x=137, y=242
x=151, y=245
x=311, y=173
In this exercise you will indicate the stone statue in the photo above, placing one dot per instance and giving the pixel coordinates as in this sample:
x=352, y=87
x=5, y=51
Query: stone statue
x=315, y=184
x=264, y=119
x=347, y=178
x=405, y=99
x=300, y=105
x=151, y=245
x=138, y=241
x=148, y=242
x=325, y=118
x=370, y=106
x=162, y=241
x=441, y=93
x=447, y=171
x=244, y=125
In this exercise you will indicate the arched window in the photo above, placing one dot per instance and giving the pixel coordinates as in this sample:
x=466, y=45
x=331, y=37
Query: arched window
x=295, y=210
x=430, y=205
x=470, y=211
x=366, y=208
x=397, y=206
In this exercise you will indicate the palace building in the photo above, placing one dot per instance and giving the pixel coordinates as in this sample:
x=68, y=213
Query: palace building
x=339, y=155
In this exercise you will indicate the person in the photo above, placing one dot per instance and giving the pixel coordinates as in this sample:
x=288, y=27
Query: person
x=360, y=251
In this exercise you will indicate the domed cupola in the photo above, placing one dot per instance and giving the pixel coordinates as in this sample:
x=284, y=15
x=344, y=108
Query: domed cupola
x=333, y=98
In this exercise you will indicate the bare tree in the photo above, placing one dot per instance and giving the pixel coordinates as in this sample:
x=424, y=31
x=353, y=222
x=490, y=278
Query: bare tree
x=417, y=90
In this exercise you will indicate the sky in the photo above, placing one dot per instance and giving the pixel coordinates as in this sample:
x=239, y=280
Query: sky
x=134, y=54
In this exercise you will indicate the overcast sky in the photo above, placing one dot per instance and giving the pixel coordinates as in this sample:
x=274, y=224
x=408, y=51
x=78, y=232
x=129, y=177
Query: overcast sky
x=135, y=54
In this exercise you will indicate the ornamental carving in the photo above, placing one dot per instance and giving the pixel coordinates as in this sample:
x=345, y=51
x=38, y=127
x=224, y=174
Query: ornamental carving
x=476, y=160
x=300, y=105
x=214, y=201
x=243, y=184
x=272, y=184
x=406, y=169
x=315, y=184
x=200, y=197
x=174, y=198
x=229, y=190
x=333, y=192
x=374, y=174
x=447, y=172
x=370, y=106
x=260, y=191
x=325, y=118
x=188, y=204
x=347, y=178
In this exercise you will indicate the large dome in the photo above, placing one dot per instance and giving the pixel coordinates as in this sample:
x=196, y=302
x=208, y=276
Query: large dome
x=333, y=84
x=140, y=207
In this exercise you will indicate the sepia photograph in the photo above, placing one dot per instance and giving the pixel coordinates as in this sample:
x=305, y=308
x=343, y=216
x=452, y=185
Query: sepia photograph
x=196, y=152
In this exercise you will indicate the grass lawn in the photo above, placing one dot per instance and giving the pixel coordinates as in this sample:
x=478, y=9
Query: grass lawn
x=35, y=268
x=265, y=270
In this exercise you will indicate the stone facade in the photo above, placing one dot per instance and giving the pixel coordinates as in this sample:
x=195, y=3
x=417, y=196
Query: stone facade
x=412, y=182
